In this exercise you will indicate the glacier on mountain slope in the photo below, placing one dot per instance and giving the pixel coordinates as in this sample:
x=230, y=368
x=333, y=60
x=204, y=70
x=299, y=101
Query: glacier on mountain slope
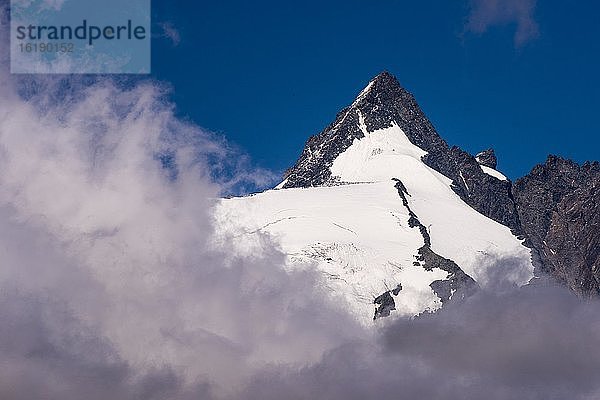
x=357, y=233
x=457, y=231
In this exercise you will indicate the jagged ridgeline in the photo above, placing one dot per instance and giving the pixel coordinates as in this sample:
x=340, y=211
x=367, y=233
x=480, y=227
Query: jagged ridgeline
x=399, y=223
x=555, y=206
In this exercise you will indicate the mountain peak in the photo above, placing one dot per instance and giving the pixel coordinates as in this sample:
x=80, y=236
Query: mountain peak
x=385, y=80
x=382, y=104
x=384, y=87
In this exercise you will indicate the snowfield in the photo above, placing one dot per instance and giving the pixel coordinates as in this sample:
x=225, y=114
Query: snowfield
x=357, y=233
x=493, y=172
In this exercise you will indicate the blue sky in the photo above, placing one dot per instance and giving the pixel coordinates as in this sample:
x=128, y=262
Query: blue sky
x=510, y=74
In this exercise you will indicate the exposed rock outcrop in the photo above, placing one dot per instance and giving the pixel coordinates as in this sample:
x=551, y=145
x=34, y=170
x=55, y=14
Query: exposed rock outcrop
x=487, y=158
x=559, y=208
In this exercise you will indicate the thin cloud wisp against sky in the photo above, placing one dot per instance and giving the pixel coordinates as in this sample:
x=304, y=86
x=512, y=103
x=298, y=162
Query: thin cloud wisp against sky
x=485, y=14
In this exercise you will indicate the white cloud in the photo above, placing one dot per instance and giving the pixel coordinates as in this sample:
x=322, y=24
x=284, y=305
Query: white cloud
x=487, y=13
x=109, y=280
x=96, y=231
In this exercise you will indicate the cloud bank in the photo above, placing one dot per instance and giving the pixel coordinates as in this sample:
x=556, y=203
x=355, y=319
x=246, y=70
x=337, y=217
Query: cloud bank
x=488, y=13
x=108, y=279
x=530, y=343
x=110, y=284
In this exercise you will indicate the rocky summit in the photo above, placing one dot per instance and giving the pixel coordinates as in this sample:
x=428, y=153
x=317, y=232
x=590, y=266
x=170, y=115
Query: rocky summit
x=385, y=102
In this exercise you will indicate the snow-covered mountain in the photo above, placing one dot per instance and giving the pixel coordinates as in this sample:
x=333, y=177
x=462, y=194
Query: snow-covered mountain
x=397, y=221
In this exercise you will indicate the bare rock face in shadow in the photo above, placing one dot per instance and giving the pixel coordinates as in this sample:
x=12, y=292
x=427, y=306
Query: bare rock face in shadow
x=559, y=208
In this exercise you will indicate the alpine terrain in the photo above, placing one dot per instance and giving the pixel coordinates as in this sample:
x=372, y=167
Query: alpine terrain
x=400, y=223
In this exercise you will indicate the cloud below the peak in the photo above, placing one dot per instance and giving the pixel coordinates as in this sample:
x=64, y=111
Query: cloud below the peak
x=110, y=284
x=537, y=343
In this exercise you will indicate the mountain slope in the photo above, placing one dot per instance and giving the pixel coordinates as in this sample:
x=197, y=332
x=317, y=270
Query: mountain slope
x=369, y=206
x=380, y=105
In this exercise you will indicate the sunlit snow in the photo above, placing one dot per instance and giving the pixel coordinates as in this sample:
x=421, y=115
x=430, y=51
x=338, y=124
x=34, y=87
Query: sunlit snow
x=357, y=234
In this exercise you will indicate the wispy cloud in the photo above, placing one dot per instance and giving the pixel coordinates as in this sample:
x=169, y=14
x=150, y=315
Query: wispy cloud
x=170, y=32
x=484, y=14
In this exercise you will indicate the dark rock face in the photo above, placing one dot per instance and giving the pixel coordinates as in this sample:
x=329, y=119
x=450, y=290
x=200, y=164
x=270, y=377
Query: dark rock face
x=559, y=208
x=385, y=303
x=487, y=158
x=490, y=196
x=383, y=103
